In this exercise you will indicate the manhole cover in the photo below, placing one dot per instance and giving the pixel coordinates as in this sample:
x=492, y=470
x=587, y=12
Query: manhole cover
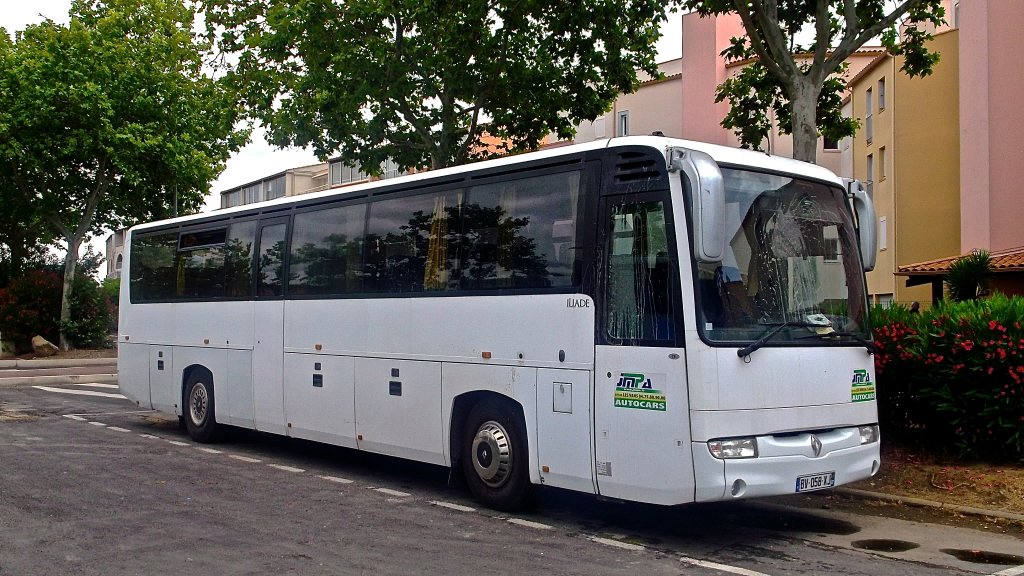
x=983, y=557
x=883, y=545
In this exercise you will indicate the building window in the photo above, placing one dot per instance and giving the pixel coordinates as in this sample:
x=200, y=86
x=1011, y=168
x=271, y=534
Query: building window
x=870, y=175
x=869, y=111
x=389, y=169
x=622, y=124
x=829, y=143
x=274, y=188
x=599, y=127
x=230, y=199
x=251, y=194
x=881, y=94
x=117, y=266
x=881, y=163
x=883, y=233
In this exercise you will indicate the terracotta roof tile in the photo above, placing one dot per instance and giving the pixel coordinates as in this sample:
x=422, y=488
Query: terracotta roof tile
x=1003, y=261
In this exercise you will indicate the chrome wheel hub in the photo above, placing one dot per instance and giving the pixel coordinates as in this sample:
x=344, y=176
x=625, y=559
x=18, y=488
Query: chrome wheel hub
x=198, y=402
x=492, y=454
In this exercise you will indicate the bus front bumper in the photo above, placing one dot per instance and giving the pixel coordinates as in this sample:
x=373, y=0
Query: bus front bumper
x=785, y=467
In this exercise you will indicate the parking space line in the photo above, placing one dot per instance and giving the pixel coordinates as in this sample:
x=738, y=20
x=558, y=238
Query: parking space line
x=530, y=524
x=286, y=468
x=720, y=567
x=618, y=544
x=391, y=492
x=74, y=417
x=97, y=423
x=118, y=429
x=151, y=437
x=78, y=392
x=335, y=479
x=176, y=443
x=245, y=458
x=451, y=506
x=1017, y=571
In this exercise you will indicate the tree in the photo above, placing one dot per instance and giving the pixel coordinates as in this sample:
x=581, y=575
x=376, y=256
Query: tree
x=105, y=121
x=424, y=82
x=968, y=276
x=802, y=83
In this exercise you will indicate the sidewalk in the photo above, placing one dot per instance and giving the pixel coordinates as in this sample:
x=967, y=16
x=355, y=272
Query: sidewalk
x=27, y=372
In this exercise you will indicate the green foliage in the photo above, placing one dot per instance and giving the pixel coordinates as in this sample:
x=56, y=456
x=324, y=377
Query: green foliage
x=413, y=81
x=968, y=276
x=30, y=306
x=102, y=119
x=90, y=322
x=803, y=83
x=953, y=376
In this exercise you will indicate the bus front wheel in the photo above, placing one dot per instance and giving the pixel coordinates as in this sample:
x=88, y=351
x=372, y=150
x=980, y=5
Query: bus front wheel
x=199, y=407
x=494, y=460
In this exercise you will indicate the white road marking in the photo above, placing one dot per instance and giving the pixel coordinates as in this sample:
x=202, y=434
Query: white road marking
x=117, y=429
x=97, y=423
x=245, y=458
x=720, y=567
x=617, y=544
x=74, y=417
x=1017, y=571
x=176, y=443
x=79, y=392
x=450, y=506
x=391, y=492
x=286, y=468
x=151, y=437
x=529, y=524
x=336, y=479
x=210, y=450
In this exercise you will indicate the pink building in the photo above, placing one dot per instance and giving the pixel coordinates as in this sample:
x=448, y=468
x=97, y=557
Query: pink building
x=991, y=80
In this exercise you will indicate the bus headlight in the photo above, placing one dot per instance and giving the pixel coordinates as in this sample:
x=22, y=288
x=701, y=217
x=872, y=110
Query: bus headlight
x=869, y=434
x=733, y=448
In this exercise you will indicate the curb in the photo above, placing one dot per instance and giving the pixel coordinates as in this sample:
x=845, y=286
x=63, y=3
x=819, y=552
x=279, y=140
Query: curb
x=865, y=494
x=57, y=363
x=70, y=379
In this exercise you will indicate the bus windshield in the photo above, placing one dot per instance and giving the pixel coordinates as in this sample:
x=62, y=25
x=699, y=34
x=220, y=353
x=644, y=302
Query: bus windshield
x=790, y=262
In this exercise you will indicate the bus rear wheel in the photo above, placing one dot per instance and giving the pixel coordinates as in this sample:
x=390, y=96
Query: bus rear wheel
x=495, y=461
x=199, y=407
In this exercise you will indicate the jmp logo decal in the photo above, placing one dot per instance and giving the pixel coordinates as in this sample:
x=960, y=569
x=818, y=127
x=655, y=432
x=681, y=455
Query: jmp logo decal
x=862, y=388
x=635, y=390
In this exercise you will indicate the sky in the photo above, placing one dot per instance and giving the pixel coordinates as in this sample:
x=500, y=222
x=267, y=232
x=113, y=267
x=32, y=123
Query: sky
x=257, y=159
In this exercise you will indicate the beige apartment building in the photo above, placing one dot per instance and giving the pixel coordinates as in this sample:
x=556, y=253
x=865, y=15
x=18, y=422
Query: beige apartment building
x=907, y=151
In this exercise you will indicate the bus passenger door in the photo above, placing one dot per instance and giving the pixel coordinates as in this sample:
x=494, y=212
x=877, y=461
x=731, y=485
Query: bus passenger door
x=268, y=322
x=641, y=403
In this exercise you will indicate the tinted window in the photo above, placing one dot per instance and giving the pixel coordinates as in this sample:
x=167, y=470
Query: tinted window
x=270, y=261
x=152, y=269
x=411, y=243
x=326, y=252
x=521, y=234
x=238, y=259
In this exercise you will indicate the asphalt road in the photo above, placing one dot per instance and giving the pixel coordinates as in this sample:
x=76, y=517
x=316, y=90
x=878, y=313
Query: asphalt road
x=89, y=485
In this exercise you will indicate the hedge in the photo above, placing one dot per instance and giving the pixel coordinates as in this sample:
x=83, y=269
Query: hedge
x=952, y=378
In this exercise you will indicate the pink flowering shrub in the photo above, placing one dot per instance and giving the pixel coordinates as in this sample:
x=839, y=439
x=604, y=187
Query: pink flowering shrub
x=954, y=376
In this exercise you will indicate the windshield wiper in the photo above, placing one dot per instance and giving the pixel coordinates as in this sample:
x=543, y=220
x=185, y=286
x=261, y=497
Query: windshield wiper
x=851, y=335
x=776, y=327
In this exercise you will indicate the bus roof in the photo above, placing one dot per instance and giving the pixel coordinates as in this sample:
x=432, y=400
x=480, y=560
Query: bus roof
x=726, y=155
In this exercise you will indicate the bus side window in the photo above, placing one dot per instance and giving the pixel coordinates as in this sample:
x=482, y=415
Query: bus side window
x=638, y=293
x=270, y=261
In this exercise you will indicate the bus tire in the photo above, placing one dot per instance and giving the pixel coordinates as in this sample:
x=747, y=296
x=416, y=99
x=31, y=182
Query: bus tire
x=495, y=458
x=199, y=407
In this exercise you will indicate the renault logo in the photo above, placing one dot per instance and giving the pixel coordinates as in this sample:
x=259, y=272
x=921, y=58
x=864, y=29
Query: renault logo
x=815, y=445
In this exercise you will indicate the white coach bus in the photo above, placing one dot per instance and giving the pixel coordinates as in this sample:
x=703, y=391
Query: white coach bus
x=644, y=318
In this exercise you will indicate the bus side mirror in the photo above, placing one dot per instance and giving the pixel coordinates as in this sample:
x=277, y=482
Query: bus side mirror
x=867, y=224
x=707, y=202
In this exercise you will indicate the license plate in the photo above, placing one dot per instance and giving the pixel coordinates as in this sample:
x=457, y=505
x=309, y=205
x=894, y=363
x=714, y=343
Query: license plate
x=815, y=481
